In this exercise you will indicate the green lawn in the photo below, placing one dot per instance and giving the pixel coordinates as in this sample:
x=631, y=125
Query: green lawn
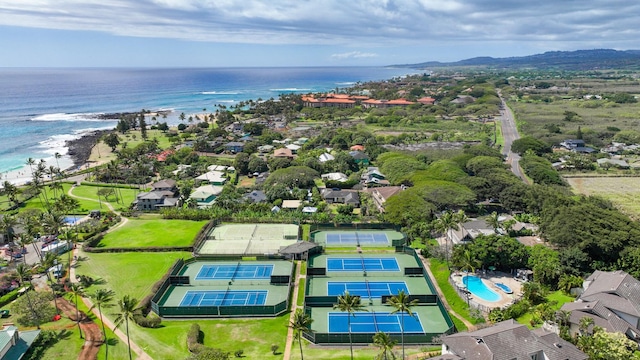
x=157, y=232
x=142, y=270
x=254, y=336
x=91, y=192
x=441, y=274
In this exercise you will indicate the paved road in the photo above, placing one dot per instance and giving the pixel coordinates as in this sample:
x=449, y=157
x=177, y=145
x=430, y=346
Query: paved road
x=510, y=133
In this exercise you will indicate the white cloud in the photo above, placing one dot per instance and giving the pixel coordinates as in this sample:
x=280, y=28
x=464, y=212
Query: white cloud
x=353, y=55
x=344, y=23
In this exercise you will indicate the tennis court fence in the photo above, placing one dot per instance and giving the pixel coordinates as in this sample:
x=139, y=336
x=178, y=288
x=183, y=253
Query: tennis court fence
x=222, y=311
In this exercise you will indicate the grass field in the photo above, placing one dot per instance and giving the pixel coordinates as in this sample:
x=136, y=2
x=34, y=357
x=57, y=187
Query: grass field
x=142, y=270
x=533, y=116
x=254, y=336
x=159, y=232
x=87, y=191
x=624, y=192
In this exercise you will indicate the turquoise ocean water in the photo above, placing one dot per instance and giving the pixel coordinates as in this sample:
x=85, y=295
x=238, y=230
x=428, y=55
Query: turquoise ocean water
x=42, y=108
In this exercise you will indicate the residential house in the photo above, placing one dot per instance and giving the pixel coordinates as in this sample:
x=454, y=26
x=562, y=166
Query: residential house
x=236, y=127
x=577, y=145
x=618, y=163
x=234, y=147
x=265, y=149
x=382, y=194
x=326, y=157
x=508, y=340
x=335, y=196
x=246, y=138
x=359, y=157
x=206, y=195
x=335, y=176
x=357, y=147
x=294, y=148
x=463, y=99
x=256, y=196
x=427, y=100
x=163, y=194
x=612, y=300
x=213, y=178
x=471, y=230
x=283, y=153
x=301, y=141
x=14, y=344
x=372, y=177
x=217, y=168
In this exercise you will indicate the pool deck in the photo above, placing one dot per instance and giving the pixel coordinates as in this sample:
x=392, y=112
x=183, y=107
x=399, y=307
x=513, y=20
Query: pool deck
x=490, y=279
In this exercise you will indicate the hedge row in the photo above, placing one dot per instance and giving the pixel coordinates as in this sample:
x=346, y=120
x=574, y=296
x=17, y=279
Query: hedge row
x=9, y=297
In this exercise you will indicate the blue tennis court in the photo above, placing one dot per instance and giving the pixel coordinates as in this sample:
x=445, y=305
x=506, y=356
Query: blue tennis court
x=366, y=289
x=362, y=264
x=224, y=298
x=355, y=238
x=364, y=322
x=235, y=271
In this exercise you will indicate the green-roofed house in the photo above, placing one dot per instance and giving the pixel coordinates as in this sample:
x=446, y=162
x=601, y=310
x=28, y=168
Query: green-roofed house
x=14, y=344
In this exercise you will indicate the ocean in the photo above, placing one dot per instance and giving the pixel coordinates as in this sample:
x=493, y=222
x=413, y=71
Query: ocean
x=40, y=109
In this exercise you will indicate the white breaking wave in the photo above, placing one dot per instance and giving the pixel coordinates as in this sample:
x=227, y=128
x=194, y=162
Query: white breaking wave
x=220, y=93
x=290, y=89
x=346, y=83
x=225, y=101
x=68, y=117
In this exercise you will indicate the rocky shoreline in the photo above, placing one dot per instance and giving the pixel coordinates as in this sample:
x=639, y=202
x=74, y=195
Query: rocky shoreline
x=80, y=149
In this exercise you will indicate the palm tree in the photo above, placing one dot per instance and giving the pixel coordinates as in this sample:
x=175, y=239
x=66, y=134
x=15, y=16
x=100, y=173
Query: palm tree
x=31, y=162
x=385, y=343
x=49, y=260
x=24, y=273
x=76, y=289
x=493, y=221
x=102, y=298
x=57, y=156
x=402, y=303
x=128, y=306
x=7, y=222
x=301, y=322
x=470, y=264
x=350, y=304
x=444, y=224
x=69, y=236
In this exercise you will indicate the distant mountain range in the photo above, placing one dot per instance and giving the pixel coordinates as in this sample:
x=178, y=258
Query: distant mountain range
x=561, y=60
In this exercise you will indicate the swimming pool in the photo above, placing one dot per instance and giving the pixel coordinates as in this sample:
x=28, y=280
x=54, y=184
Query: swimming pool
x=479, y=289
x=71, y=220
x=504, y=288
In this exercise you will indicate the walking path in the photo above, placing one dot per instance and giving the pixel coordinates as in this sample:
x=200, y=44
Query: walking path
x=141, y=354
x=294, y=306
x=468, y=324
x=93, y=338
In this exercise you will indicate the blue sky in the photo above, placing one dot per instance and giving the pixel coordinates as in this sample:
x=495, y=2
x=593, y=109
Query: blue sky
x=202, y=33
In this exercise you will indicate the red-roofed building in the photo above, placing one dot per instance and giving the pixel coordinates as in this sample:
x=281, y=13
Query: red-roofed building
x=357, y=147
x=331, y=100
x=427, y=100
x=164, y=155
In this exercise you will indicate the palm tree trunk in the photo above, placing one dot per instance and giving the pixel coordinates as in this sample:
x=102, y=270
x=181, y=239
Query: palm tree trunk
x=104, y=332
x=78, y=317
x=402, y=332
x=126, y=321
x=300, y=342
x=350, y=341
